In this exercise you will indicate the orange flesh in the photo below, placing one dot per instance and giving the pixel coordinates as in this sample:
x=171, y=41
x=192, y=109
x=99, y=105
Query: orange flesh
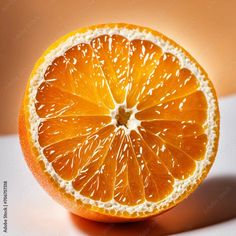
x=76, y=134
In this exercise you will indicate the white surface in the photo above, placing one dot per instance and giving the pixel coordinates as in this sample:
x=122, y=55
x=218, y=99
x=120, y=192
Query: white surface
x=210, y=210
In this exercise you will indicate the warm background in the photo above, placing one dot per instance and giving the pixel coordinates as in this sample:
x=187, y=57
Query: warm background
x=206, y=28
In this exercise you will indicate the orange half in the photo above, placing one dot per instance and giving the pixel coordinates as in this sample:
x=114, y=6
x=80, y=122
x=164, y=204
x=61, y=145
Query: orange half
x=118, y=122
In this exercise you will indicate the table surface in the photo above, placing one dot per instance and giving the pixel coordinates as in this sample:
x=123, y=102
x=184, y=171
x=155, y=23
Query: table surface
x=210, y=210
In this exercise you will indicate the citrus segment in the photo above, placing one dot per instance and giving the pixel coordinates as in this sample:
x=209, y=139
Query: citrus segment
x=189, y=137
x=93, y=151
x=119, y=122
x=101, y=185
x=178, y=84
x=53, y=102
x=113, y=55
x=68, y=152
x=179, y=164
x=129, y=183
x=144, y=58
x=64, y=157
x=163, y=72
x=78, y=72
x=192, y=108
x=157, y=180
x=53, y=130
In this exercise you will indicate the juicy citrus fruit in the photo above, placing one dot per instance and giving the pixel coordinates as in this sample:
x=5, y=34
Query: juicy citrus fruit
x=118, y=122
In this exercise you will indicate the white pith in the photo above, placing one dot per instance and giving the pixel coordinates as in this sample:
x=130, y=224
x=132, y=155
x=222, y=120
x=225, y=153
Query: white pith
x=180, y=186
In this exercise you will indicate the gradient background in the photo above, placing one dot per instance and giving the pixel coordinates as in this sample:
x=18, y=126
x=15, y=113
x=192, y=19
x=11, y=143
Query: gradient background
x=205, y=28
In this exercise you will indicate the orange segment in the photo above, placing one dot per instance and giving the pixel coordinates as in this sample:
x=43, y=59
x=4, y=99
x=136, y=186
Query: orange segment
x=101, y=184
x=113, y=55
x=172, y=85
x=192, y=108
x=129, y=182
x=165, y=71
x=64, y=157
x=144, y=58
x=120, y=125
x=59, y=75
x=52, y=102
x=189, y=137
x=157, y=180
x=78, y=72
x=93, y=152
x=194, y=146
x=180, y=165
x=60, y=128
x=172, y=128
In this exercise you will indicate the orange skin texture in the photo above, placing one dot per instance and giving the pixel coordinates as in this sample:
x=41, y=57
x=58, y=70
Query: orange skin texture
x=54, y=190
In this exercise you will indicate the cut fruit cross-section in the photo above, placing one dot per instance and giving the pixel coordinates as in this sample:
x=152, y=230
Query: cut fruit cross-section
x=118, y=122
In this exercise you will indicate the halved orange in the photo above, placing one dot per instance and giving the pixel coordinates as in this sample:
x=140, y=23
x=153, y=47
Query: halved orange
x=118, y=122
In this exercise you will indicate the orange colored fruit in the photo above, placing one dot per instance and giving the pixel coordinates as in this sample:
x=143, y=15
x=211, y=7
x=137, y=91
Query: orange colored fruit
x=118, y=122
